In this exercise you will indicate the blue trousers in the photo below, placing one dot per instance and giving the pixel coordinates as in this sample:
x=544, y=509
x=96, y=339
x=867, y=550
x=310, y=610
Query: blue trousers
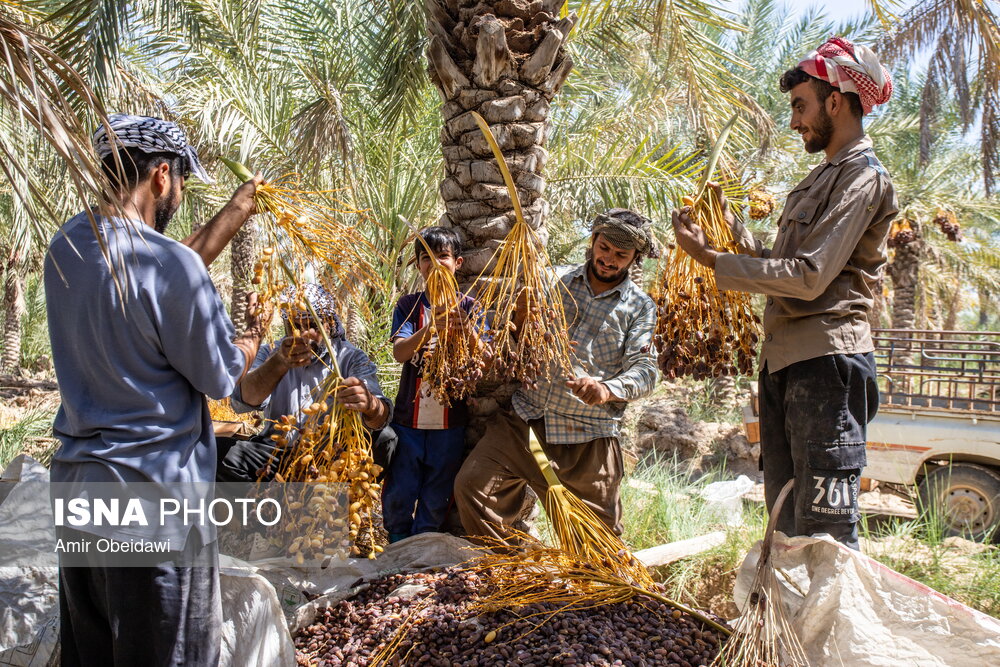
x=421, y=479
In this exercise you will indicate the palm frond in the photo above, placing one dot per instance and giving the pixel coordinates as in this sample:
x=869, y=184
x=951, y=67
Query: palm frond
x=883, y=11
x=681, y=47
x=93, y=32
x=965, y=34
x=36, y=88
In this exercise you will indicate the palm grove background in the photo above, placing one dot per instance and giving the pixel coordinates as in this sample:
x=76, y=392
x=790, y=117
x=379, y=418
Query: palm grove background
x=604, y=103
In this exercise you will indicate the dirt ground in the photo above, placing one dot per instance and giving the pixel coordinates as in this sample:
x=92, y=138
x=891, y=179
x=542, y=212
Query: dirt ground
x=20, y=395
x=712, y=589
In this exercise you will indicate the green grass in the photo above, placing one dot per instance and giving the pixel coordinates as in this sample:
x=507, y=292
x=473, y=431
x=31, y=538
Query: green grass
x=702, y=401
x=662, y=504
x=34, y=326
x=672, y=509
x=19, y=437
x=921, y=550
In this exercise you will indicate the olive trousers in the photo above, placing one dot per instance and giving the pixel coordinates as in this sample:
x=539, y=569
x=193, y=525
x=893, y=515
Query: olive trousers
x=490, y=487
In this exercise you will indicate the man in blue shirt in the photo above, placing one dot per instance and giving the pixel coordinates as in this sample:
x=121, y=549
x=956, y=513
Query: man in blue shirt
x=139, y=338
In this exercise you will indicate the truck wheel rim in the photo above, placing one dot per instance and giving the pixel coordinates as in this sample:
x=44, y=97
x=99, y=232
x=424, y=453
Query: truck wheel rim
x=968, y=509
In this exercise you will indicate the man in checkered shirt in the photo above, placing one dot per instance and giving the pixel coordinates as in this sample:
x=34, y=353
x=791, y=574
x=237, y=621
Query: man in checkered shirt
x=576, y=420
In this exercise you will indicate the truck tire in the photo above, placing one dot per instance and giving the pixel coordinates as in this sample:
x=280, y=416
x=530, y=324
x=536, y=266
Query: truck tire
x=967, y=498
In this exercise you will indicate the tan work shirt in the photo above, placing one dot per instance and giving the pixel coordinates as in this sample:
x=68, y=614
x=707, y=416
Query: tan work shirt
x=827, y=257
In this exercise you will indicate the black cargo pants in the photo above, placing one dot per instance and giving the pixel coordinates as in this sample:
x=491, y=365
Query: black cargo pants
x=243, y=460
x=813, y=422
x=163, y=615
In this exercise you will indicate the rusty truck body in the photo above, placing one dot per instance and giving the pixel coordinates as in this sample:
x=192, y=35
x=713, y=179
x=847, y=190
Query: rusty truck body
x=937, y=431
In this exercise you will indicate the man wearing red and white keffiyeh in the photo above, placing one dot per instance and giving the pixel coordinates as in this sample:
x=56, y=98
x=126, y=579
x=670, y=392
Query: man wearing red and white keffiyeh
x=851, y=69
x=817, y=380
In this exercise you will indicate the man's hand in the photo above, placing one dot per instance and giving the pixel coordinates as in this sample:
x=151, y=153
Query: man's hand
x=297, y=351
x=691, y=238
x=354, y=395
x=727, y=214
x=257, y=317
x=243, y=199
x=590, y=390
x=211, y=238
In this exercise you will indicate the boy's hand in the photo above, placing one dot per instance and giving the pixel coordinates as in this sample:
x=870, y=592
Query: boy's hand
x=590, y=390
x=454, y=319
x=441, y=318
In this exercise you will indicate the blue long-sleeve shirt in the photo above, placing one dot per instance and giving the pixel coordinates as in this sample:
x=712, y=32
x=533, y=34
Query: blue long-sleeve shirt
x=135, y=359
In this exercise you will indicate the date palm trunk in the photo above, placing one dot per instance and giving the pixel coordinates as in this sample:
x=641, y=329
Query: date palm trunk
x=13, y=308
x=505, y=60
x=877, y=314
x=905, y=273
x=952, y=308
x=243, y=254
x=985, y=304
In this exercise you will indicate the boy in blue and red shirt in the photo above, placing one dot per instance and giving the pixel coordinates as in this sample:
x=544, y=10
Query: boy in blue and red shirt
x=421, y=475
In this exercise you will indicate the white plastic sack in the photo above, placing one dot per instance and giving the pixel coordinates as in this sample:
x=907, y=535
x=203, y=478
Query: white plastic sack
x=253, y=628
x=852, y=610
x=29, y=597
x=725, y=498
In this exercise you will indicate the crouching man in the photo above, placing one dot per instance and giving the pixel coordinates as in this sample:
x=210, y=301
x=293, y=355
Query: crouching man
x=283, y=379
x=575, y=419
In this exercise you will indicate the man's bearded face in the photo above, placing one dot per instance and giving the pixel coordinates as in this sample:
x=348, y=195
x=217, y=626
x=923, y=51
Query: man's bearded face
x=167, y=204
x=608, y=263
x=818, y=135
x=809, y=118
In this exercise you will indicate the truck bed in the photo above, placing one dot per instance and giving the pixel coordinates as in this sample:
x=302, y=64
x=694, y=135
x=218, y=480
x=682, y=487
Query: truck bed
x=949, y=371
x=939, y=401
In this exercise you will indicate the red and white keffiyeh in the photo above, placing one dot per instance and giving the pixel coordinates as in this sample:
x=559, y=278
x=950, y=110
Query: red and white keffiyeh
x=851, y=69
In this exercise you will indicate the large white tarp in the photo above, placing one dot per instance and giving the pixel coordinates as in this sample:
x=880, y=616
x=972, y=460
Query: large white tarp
x=253, y=628
x=849, y=609
x=262, y=601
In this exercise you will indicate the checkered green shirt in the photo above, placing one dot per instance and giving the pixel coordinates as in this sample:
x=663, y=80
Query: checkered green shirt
x=614, y=333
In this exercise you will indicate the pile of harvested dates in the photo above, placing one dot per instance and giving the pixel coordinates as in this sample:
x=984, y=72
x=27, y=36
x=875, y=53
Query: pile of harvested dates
x=442, y=630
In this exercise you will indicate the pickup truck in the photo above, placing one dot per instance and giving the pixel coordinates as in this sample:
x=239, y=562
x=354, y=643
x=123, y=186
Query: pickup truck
x=938, y=424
